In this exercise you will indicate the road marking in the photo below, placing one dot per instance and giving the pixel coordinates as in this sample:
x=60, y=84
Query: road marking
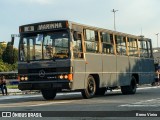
x=34, y=104
x=145, y=103
x=141, y=88
x=153, y=87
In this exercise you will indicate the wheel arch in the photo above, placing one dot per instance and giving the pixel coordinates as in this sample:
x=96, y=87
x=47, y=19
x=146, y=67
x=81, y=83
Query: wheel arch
x=97, y=79
x=136, y=76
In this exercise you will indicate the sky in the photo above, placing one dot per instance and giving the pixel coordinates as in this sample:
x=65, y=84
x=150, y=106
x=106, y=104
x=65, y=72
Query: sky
x=133, y=16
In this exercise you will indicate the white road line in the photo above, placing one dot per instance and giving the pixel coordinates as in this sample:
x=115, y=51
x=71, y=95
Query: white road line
x=142, y=88
x=130, y=105
x=153, y=87
x=145, y=103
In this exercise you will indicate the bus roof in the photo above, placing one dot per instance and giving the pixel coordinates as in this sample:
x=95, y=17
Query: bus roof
x=63, y=24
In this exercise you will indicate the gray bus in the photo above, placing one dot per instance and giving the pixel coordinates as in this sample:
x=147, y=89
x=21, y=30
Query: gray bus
x=59, y=56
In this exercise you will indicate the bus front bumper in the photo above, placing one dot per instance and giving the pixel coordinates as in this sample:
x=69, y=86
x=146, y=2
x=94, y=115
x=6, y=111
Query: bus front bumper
x=39, y=85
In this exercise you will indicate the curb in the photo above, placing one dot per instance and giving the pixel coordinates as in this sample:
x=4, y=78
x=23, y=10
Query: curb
x=19, y=92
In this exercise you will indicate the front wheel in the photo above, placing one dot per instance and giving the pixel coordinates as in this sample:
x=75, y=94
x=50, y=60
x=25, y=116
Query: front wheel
x=130, y=89
x=90, y=90
x=49, y=94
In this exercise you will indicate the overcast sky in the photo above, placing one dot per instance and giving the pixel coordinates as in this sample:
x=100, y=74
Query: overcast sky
x=132, y=16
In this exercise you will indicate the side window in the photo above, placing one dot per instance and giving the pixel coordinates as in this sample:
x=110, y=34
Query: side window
x=133, y=48
x=77, y=47
x=143, y=48
x=91, y=41
x=107, y=43
x=120, y=45
x=149, y=48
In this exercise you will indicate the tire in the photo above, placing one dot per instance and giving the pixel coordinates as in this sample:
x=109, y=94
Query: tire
x=49, y=94
x=130, y=89
x=90, y=90
x=100, y=91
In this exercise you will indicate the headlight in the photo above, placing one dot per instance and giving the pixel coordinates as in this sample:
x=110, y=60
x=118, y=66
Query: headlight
x=61, y=76
x=25, y=78
x=22, y=78
x=66, y=76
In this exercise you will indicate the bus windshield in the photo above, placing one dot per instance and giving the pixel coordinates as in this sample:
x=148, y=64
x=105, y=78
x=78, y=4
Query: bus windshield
x=43, y=46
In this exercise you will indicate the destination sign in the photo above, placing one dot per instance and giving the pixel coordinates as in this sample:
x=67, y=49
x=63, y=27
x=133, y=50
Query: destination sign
x=49, y=26
x=43, y=26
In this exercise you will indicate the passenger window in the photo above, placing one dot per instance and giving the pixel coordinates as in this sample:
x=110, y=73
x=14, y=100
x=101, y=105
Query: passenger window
x=149, y=48
x=107, y=43
x=143, y=48
x=120, y=45
x=133, y=48
x=91, y=41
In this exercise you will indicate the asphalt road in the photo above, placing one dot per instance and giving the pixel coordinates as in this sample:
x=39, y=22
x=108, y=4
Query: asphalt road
x=145, y=102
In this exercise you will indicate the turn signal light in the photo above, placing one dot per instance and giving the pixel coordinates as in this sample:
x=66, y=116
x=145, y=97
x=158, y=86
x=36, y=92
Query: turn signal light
x=70, y=76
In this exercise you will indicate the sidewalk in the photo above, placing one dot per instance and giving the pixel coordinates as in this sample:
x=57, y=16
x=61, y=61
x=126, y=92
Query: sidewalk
x=14, y=91
x=17, y=92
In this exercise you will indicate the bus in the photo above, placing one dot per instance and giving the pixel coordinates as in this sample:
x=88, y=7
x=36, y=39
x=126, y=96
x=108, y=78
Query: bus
x=58, y=56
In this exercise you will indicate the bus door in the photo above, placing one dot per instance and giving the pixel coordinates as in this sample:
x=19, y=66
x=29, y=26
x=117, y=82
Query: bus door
x=78, y=61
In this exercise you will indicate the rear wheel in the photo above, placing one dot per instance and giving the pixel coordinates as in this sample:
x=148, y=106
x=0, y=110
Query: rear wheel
x=49, y=94
x=90, y=90
x=130, y=89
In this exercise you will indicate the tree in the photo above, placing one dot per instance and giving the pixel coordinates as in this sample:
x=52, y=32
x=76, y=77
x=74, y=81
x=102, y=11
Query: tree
x=2, y=48
x=10, y=54
x=15, y=55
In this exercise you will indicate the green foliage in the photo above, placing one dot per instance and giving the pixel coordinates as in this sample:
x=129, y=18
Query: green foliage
x=8, y=58
x=2, y=48
x=12, y=86
x=8, y=54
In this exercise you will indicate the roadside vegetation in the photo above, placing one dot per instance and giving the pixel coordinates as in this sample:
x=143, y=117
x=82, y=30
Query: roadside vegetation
x=12, y=86
x=8, y=58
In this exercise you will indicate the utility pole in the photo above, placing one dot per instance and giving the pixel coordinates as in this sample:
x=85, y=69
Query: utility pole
x=157, y=39
x=114, y=11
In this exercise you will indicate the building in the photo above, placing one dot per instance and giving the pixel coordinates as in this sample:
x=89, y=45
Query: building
x=156, y=54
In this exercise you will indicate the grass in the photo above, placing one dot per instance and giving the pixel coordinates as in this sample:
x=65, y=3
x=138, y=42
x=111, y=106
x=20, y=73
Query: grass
x=12, y=86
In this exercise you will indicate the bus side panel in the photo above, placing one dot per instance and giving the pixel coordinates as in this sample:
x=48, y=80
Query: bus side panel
x=147, y=71
x=134, y=65
x=109, y=71
x=123, y=75
x=152, y=70
x=78, y=74
x=93, y=65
